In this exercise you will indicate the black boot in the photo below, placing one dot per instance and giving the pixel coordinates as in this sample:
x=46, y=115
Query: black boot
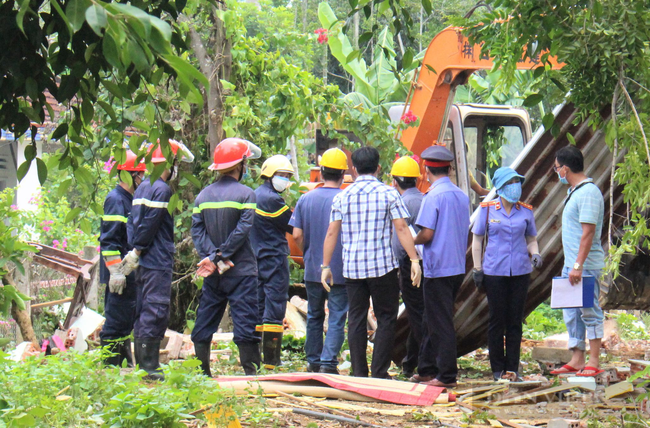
x=272, y=347
x=114, y=348
x=147, y=354
x=202, y=350
x=249, y=357
x=126, y=354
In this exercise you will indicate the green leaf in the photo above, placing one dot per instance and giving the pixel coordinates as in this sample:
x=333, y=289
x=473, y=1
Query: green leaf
x=532, y=100
x=548, y=120
x=108, y=109
x=63, y=187
x=365, y=38
x=559, y=84
x=96, y=18
x=87, y=110
x=85, y=226
x=426, y=4
x=109, y=48
x=137, y=56
x=42, y=171
x=76, y=13
x=162, y=27
x=407, y=59
x=30, y=152
x=186, y=74
x=192, y=179
x=23, y=8
x=227, y=85
x=72, y=214
x=173, y=203
x=60, y=131
x=63, y=16
x=113, y=88
x=126, y=177
x=572, y=140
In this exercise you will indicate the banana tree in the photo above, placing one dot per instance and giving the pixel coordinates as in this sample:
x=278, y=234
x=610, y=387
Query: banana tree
x=379, y=84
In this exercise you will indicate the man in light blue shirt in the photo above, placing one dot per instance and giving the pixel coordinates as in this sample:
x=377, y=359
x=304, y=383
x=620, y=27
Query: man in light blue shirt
x=444, y=223
x=582, y=225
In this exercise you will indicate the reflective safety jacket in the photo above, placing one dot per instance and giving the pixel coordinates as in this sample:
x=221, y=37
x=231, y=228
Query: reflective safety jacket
x=153, y=226
x=113, y=239
x=272, y=217
x=222, y=221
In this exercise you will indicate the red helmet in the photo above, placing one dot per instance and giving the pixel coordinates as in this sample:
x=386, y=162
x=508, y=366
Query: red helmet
x=231, y=151
x=129, y=164
x=179, y=149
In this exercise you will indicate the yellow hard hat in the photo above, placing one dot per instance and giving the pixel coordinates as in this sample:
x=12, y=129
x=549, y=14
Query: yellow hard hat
x=405, y=166
x=276, y=163
x=335, y=159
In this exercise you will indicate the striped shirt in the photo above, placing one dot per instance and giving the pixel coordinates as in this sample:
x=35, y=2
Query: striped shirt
x=585, y=205
x=366, y=210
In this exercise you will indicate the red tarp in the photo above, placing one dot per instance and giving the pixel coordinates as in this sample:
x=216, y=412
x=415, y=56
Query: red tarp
x=392, y=391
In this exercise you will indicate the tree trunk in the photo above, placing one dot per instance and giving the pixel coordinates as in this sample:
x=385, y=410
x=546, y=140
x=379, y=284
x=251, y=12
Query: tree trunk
x=24, y=323
x=305, y=6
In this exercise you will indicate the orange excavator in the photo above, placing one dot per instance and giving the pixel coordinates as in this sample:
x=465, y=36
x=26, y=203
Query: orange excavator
x=467, y=130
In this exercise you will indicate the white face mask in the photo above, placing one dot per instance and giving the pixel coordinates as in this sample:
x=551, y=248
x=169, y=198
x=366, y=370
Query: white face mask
x=280, y=184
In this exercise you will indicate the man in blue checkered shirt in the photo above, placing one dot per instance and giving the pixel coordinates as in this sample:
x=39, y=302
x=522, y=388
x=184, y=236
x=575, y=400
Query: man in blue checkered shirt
x=365, y=213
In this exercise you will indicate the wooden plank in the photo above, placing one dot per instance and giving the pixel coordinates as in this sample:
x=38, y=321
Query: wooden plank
x=531, y=395
x=52, y=303
x=618, y=389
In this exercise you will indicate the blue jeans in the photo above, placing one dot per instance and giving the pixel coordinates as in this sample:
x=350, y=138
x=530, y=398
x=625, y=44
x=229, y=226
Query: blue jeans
x=584, y=321
x=317, y=352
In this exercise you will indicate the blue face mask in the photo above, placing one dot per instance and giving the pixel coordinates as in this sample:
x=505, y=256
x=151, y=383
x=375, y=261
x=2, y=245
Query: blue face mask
x=510, y=192
x=563, y=180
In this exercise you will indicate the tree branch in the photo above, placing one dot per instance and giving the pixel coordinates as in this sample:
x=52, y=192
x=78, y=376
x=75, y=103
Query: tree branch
x=613, y=168
x=199, y=49
x=638, y=119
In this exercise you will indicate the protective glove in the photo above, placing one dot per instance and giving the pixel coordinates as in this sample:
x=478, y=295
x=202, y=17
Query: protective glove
x=325, y=276
x=536, y=261
x=131, y=262
x=206, y=267
x=477, y=274
x=117, y=280
x=416, y=273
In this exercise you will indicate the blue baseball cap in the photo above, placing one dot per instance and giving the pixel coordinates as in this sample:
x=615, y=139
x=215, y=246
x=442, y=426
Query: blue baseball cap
x=503, y=175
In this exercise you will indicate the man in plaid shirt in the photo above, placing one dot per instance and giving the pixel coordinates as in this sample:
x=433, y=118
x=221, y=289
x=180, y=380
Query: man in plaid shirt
x=364, y=214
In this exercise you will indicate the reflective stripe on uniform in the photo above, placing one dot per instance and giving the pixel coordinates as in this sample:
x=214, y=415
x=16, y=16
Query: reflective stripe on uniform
x=273, y=328
x=275, y=214
x=151, y=204
x=115, y=218
x=110, y=253
x=226, y=204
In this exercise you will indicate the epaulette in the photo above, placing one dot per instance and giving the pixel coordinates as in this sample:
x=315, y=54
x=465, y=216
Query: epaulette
x=530, y=207
x=490, y=203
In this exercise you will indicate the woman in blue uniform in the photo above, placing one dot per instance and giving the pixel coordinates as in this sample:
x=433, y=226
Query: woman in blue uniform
x=503, y=271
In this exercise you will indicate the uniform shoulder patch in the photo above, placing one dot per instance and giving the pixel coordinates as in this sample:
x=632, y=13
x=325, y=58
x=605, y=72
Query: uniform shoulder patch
x=530, y=207
x=489, y=204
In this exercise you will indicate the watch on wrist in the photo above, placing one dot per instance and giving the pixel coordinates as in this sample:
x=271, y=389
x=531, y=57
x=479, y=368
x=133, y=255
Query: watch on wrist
x=577, y=266
x=324, y=267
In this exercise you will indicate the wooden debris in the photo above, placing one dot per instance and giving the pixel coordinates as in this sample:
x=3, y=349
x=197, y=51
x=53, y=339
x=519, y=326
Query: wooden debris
x=563, y=423
x=618, y=389
x=495, y=390
x=295, y=321
x=174, y=344
x=536, y=394
x=586, y=383
x=638, y=365
x=320, y=415
x=302, y=400
x=495, y=423
x=300, y=304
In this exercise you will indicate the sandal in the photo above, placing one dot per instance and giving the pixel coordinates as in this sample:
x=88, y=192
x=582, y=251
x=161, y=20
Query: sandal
x=511, y=376
x=565, y=369
x=595, y=372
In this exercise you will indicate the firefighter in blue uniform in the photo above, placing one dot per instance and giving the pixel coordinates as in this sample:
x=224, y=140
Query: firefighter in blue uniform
x=269, y=240
x=120, y=297
x=153, y=256
x=221, y=223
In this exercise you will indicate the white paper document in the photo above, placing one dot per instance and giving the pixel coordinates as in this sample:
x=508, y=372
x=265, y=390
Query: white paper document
x=565, y=295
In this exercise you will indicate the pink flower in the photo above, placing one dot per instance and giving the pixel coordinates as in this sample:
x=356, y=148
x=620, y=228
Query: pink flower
x=108, y=165
x=78, y=230
x=55, y=243
x=322, y=35
x=14, y=207
x=64, y=244
x=47, y=228
x=409, y=117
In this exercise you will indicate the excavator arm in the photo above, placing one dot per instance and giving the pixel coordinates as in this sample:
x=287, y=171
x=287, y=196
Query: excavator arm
x=449, y=61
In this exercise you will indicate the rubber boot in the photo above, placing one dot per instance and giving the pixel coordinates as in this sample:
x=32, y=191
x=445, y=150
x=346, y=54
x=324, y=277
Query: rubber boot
x=126, y=354
x=249, y=356
x=202, y=350
x=147, y=354
x=272, y=347
x=114, y=348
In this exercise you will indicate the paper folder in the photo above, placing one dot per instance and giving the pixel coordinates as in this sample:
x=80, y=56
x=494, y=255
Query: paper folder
x=564, y=295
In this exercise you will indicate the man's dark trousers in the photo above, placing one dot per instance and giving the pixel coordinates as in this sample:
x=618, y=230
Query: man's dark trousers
x=384, y=291
x=218, y=291
x=438, y=352
x=119, y=310
x=413, y=298
x=154, y=288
